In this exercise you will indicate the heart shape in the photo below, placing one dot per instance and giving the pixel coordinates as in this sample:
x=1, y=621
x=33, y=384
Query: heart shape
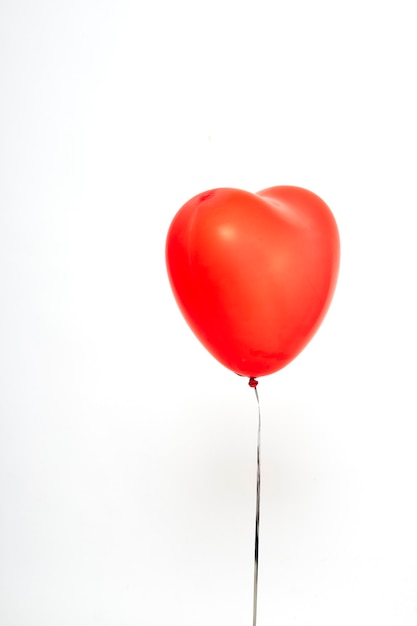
x=253, y=274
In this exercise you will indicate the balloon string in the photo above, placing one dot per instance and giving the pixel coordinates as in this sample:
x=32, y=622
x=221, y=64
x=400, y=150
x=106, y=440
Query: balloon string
x=253, y=383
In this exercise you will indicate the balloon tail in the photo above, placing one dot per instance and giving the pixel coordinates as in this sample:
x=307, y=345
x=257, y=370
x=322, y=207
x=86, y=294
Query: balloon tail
x=253, y=383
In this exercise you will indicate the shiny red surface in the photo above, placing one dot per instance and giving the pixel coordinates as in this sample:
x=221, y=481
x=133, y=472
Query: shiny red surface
x=253, y=274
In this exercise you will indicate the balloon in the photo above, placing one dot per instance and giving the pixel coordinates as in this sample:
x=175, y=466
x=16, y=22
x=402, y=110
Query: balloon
x=253, y=274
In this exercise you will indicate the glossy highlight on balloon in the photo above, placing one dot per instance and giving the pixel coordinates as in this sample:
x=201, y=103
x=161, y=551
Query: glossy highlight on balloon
x=253, y=273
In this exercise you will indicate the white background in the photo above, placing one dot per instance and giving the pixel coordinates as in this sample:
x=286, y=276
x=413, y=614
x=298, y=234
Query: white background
x=127, y=453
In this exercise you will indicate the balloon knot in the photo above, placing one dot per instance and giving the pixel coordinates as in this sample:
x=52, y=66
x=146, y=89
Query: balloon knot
x=252, y=382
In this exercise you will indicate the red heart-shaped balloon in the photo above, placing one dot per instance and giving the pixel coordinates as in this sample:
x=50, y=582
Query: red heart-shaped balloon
x=253, y=274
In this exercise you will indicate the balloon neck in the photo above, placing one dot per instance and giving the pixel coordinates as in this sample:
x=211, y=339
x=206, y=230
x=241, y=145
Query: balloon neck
x=252, y=382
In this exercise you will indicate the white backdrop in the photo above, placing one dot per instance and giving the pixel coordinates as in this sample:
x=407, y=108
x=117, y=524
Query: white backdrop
x=127, y=453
